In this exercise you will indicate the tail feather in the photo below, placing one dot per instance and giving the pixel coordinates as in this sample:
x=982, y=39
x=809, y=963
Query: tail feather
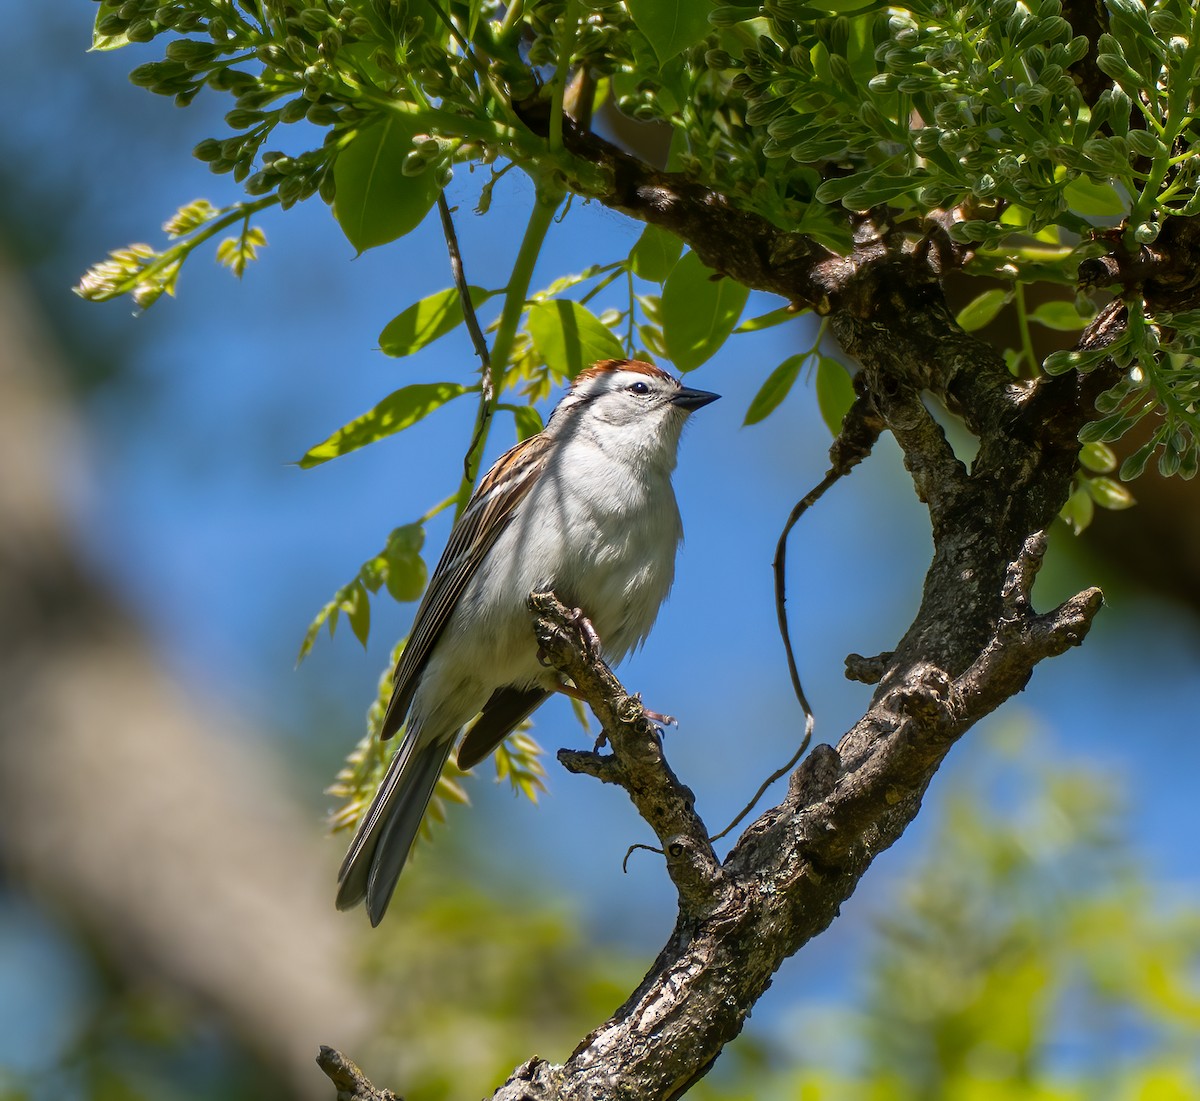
x=387, y=831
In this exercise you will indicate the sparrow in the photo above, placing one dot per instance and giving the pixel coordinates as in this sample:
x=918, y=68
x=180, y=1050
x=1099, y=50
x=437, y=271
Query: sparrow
x=585, y=508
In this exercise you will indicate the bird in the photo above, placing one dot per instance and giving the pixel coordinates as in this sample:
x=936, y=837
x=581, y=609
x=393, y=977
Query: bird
x=585, y=508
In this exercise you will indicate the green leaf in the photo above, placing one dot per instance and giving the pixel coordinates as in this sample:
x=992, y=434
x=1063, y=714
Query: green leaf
x=107, y=41
x=396, y=412
x=423, y=322
x=655, y=254
x=374, y=201
x=779, y=383
x=982, y=310
x=1097, y=457
x=670, y=25
x=569, y=337
x=357, y=606
x=1059, y=315
x=528, y=420
x=1078, y=510
x=406, y=573
x=1093, y=199
x=835, y=392
x=768, y=320
x=699, y=312
x=1109, y=494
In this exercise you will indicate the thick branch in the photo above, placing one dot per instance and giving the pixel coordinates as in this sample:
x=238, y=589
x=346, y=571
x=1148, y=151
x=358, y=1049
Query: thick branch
x=637, y=763
x=790, y=872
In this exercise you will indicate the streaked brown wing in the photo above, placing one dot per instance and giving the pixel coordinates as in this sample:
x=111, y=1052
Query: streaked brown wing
x=488, y=513
x=500, y=716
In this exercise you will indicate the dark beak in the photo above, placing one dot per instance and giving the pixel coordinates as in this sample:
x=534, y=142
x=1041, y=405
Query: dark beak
x=693, y=399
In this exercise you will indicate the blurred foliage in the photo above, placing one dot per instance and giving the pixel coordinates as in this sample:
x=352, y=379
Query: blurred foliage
x=1022, y=955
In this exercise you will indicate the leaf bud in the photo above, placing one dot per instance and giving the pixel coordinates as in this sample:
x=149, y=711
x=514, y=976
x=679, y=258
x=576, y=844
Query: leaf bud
x=208, y=150
x=291, y=190
x=141, y=31
x=242, y=119
x=260, y=183
x=414, y=164
x=316, y=20
x=728, y=15
x=321, y=114
x=111, y=24
x=294, y=110
x=328, y=186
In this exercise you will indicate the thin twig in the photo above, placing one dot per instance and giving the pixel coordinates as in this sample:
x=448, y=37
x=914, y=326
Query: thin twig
x=486, y=388
x=780, y=567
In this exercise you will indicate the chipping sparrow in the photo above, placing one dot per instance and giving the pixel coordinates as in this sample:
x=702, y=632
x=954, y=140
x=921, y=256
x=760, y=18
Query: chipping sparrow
x=584, y=508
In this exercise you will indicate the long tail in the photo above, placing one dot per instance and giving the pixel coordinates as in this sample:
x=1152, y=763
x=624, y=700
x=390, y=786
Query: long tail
x=388, y=829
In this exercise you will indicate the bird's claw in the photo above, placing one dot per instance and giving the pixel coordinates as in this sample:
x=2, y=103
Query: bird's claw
x=591, y=640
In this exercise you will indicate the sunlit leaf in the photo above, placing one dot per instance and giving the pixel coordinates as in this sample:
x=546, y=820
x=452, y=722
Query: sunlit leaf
x=767, y=320
x=655, y=254
x=107, y=41
x=670, y=25
x=375, y=202
x=423, y=322
x=397, y=411
x=569, y=337
x=528, y=420
x=1093, y=199
x=699, y=311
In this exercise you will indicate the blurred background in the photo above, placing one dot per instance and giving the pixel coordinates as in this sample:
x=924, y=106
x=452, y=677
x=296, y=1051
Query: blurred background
x=166, y=882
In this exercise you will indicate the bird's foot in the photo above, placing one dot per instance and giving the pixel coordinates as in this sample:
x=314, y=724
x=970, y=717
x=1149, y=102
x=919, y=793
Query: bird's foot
x=660, y=719
x=591, y=640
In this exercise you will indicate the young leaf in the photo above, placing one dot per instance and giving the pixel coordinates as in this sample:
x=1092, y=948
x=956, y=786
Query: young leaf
x=1078, y=510
x=107, y=41
x=1109, y=494
x=375, y=202
x=396, y=412
x=406, y=572
x=528, y=420
x=1059, y=315
x=569, y=337
x=357, y=607
x=670, y=25
x=779, y=383
x=767, y=320
x=699, y=312
x=835, y=392
x=980, y=311
x=423, y=322
x=1098, y=457
x=655, y=254
x=1093, y=199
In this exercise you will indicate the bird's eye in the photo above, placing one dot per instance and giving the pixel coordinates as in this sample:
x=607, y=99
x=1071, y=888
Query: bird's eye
x=639, y=388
